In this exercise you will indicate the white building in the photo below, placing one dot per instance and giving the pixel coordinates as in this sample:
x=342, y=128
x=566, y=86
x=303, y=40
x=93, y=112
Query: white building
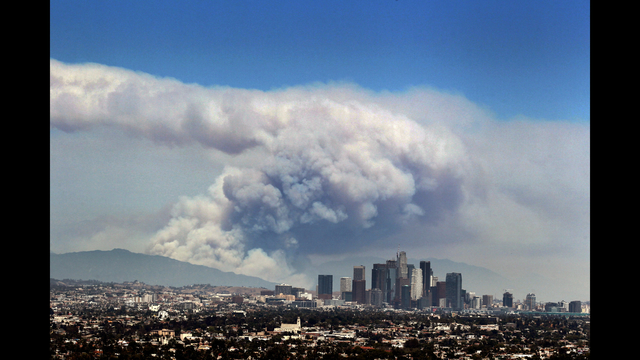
x=345, y=284
x=295, y=328
x=416, y=284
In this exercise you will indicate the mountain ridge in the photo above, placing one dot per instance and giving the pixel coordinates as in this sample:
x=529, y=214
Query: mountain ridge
x=120, y=265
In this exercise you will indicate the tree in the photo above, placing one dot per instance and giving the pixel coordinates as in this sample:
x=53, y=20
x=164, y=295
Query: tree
x=412, y=344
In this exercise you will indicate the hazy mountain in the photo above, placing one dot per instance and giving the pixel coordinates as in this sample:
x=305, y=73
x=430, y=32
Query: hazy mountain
x=119, y=265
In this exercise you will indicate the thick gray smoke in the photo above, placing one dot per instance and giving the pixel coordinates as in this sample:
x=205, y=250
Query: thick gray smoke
x=330, y=165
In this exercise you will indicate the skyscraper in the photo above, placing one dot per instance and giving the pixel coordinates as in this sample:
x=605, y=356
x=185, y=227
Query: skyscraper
x=575, y=306
x=507, y=299
x=378, y=277
x=358, y=272
x=454, y=290
x=345, y=284
x=391, y=276
x=416, y=284
x=425, y=267
x=406, y=296
x=402, y=265
x=325, y=286
x=358, y=291
x=345, y=288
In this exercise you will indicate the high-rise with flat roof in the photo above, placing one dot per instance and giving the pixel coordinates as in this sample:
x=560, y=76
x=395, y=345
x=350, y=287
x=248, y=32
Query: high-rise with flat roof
x=454, y=290
x=487, y=300
x=416, y=284
x=379, y=276
x=507, y=299
x=575, y=306
x=406, y=296
x=284, y=289
x=358, y=272
x=325, y=286
x=425, y=268
x=358, y=289
x=345, y=284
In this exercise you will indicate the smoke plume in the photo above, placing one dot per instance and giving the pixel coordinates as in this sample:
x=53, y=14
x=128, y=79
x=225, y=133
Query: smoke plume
x=332, y=167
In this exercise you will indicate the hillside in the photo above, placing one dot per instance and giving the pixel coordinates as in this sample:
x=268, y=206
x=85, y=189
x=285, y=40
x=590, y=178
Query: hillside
x=119, y=265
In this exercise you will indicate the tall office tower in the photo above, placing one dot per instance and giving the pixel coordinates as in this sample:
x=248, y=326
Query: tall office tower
x=391, y=276
x=378, y=277
x=530, y=302
x=358, y=291
x=406, y=296
x=487, y=300
x=454, y=290
x=575, y=306
x=425, y=268
x=325, y=286
x=345, y=287
x=507, y=299
x=402, y=265
x=284, y=289
x=358, y=272
x=416, y=284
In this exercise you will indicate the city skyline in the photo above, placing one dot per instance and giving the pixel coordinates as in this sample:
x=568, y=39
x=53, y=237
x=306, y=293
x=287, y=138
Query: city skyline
x=267, y=139
x=408, y=293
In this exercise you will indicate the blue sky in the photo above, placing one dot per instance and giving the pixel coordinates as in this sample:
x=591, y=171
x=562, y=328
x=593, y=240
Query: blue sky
x=273, y=135
x=528, y=58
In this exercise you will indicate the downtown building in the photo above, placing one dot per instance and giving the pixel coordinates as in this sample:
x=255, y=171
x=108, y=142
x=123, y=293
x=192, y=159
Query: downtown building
x=427, y=276
x=345, y=288
x=416, y=284
x=453, y=289
x=575, y=306
x=325, y=287
x=487, y=300
x=530, y=302
x=507, y=299
x=359, y=285
x=284, y=289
